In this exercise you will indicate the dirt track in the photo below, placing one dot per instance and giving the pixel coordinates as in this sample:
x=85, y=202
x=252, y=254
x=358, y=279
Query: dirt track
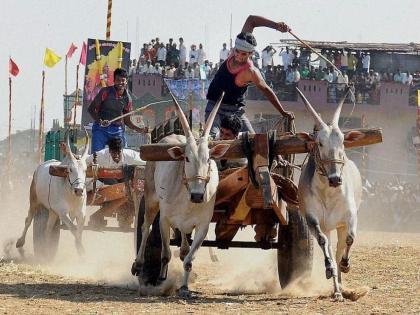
x=243, y=281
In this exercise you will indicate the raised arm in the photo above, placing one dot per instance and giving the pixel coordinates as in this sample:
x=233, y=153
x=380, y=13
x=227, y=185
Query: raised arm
x=257, y=21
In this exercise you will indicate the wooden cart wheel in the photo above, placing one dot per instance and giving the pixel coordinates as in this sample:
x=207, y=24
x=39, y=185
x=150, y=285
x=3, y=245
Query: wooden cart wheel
x=45, y=249
x=294, y=257
x=152, y=257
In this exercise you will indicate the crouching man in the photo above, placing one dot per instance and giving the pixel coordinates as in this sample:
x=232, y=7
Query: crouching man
x=114, y=156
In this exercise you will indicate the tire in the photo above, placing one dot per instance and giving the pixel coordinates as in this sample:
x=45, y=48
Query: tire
x=152, y=256
x=294, y=257
x=45, y=249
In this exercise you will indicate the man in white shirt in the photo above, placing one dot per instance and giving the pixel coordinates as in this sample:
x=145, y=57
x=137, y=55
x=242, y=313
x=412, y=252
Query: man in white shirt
x=267, y=56
x=116, y=156
x=193, y=54
x=201, y=55
x=182, y=52
x=161, y=54
x=224, y=53
x=284, y=54
x=366, y=62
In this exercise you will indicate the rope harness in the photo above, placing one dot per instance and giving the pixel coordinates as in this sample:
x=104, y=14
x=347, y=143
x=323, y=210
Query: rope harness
x=320, y=163
x=186, y=180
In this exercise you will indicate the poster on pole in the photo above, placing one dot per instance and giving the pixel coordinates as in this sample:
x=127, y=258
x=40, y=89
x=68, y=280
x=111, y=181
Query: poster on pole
x=102, y=58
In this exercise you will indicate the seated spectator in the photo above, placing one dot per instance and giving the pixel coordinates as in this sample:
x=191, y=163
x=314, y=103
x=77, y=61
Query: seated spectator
x=147, y=68
x=290, y=78
x=189, y=74
x=398, y=77
x=196, y=69
x=179, y=73
x=170, y=73
x=312, y=73
x=319, y=74
x=409, y=79
x=304, y=72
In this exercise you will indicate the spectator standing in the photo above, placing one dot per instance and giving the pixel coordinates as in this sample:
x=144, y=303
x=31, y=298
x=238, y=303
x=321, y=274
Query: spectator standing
x=366, y=62
x=255, y=58
x=201, y=54
x=344, y=61
x=161, y=54
x=351, y=64
x=152, y=52
x=182, y=52
x=285, y=57
x=170, y=73
x=267, y=56
x=224, y=53
x=193, y=54
x=397, y=76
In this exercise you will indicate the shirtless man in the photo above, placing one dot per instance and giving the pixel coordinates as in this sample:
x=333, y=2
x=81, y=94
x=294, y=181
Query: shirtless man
x=237, y=72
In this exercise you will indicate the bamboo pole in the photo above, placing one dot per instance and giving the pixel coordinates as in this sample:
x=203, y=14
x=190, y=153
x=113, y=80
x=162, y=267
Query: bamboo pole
x=286, y=144
x=76, y=102
x=41, y=121
x=108, y=20
x=9, y=151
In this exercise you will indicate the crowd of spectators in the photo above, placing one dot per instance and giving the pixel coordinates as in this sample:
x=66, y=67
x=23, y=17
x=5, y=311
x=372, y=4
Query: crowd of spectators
x=390, y=206
x=172, y=60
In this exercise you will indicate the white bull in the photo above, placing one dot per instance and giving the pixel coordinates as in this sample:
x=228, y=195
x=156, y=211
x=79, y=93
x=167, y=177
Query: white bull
x=64, y=197
x=330, y=191
x=184, y=192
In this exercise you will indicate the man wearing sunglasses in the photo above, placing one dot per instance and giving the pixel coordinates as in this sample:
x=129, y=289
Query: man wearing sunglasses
x=237, y=72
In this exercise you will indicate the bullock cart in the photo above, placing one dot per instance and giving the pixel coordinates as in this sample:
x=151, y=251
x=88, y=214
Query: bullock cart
x=261, y=194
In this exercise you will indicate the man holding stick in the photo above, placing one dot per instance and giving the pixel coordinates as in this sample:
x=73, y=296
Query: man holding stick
x=237, y=72
x=112, y=102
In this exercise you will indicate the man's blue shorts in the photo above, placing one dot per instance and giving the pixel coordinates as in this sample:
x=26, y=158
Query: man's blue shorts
x=101, y=135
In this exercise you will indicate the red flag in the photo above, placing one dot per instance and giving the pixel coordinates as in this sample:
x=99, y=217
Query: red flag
x=13, y=68
x=72, y=49
x=83, y=55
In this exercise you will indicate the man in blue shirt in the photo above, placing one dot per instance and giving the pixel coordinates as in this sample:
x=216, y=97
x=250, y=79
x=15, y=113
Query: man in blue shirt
x=110, y=103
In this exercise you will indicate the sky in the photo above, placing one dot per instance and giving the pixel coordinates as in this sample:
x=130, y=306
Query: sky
x=29, y=26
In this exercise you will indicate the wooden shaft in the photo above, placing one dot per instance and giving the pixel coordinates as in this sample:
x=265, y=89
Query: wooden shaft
x=286, y=144
x=108, y=20
x=9, y=151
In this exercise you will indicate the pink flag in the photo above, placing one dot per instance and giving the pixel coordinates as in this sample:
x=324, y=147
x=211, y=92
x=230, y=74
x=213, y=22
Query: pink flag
x=72, y=49
x=83, y=55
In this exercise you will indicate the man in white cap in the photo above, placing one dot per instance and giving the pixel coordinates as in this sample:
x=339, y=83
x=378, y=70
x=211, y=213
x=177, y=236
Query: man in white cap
x=237, y=72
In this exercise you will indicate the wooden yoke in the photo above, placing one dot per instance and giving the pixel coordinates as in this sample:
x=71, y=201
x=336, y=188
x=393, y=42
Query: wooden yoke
x=284, y=144
x=265, y=196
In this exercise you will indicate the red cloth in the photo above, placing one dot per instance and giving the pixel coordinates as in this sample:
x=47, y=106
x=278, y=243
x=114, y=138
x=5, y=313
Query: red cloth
x=83, y=55
x=72, y=49
x=13, y=68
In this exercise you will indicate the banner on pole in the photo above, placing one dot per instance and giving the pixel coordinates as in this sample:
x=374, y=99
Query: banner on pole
x=110, y=58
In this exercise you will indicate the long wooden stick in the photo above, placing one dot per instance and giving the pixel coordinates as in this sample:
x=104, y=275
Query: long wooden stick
x=9, y=151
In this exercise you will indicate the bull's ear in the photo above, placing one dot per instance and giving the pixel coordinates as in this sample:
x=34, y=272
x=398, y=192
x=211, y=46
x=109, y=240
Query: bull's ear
x=176, y=153
x=353, y=135
x=304, y=136
x=219, y=150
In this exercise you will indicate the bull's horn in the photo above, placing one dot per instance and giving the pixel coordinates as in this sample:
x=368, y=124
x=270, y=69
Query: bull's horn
x=317, y=118
x=86, y=150
x=182, y=118
x=68, y=147
x=337, y=113
x=212, y=116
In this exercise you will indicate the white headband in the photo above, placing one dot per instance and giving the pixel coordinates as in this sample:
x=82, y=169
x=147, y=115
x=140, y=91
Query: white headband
x=243, y=45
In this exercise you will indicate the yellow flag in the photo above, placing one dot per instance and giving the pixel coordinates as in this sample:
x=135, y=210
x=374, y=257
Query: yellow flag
x=418, y=98
x=50, y=58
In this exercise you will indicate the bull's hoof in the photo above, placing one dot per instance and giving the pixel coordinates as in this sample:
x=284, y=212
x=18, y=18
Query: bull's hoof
x=20, y=242
x=329, y=272
x=183, y=292
x=344, y=265
x=338, y=297
x=136, y=269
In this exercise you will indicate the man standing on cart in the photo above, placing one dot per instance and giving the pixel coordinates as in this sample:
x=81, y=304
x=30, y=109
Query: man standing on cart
x=237, y=72
x=110, y=103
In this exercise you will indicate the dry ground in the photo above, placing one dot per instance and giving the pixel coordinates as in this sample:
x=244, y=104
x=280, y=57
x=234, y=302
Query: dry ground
x=243, y=281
